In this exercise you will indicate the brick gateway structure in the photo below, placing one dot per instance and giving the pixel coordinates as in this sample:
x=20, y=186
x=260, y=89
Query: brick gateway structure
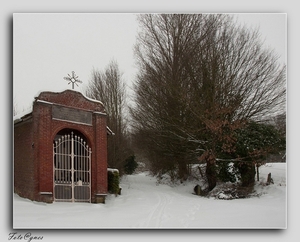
x=60, y=149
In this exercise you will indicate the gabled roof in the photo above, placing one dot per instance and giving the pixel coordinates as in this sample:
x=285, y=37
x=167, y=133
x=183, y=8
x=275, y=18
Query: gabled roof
x=28, y=113
x=66, y=90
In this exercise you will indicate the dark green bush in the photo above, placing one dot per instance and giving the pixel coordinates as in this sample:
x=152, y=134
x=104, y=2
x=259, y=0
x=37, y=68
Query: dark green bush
x=130, y=165
x=113, y=181
x=252, y=144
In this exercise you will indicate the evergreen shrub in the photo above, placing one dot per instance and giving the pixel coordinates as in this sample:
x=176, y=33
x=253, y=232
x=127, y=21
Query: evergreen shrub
x=130, y=165
x=113, y=181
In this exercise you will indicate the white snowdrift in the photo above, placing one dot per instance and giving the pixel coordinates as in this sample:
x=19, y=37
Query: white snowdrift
x=146, y=205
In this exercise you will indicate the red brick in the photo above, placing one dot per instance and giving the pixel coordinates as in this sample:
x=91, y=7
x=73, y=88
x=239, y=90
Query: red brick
x=33, y=144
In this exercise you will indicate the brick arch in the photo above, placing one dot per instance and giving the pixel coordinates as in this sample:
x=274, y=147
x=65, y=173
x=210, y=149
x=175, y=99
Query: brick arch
x=77, y=129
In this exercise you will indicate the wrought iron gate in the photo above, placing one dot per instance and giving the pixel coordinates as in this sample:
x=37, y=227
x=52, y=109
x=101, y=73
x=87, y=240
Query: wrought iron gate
x=71, y=169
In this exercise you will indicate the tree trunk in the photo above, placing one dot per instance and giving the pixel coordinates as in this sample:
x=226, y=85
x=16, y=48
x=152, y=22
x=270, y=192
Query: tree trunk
x=183, y=171
x=269, y=179
x=247, y=171
x=211, y=173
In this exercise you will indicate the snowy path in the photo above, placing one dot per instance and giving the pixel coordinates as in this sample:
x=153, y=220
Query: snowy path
x=144, y=204
x=154, y=204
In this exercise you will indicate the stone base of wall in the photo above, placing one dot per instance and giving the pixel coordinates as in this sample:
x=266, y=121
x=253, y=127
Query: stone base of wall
x=46, y=197
x=100, y=198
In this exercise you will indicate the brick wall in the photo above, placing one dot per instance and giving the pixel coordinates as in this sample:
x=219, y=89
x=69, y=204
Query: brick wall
x=100, y=168
x=44, y=147
x=24, y=175
x=34, y=165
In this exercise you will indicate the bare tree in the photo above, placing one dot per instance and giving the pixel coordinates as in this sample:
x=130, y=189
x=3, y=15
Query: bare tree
x=15, y=107
x=108, y=87
x=201, y=77
x=164, y=47
x=15, y=112
x=238, y=80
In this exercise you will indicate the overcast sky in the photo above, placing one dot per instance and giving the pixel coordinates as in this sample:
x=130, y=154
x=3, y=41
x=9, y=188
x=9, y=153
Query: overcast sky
x=30, y=75
x=48, y=47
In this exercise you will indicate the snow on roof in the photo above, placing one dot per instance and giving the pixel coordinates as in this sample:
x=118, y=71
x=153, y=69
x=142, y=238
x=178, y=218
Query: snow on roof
x=112, y=170
x=63, y=90
x=18, y=117
x=109, y=131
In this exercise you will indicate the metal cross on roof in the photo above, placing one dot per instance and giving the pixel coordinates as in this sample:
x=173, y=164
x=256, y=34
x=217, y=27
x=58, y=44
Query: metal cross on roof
x=74, y=79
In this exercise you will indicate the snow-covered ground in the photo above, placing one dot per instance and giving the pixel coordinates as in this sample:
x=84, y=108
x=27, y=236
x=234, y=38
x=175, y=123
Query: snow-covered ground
x=144, y=204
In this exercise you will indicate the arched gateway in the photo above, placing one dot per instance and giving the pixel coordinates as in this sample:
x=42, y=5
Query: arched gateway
x=60, y=149
x=71, y=168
